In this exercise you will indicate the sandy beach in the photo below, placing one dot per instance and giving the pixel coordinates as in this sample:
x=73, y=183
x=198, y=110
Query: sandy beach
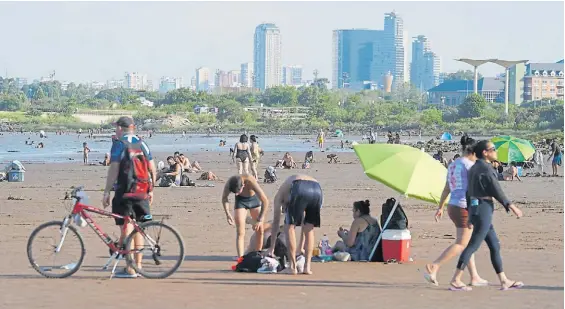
x=532, y=247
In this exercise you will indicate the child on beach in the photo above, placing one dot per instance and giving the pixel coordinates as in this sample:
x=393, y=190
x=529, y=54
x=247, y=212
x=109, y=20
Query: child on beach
x=85, y=151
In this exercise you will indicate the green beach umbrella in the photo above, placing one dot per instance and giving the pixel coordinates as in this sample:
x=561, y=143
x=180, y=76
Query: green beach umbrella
x=510, y=148
x=405, y=169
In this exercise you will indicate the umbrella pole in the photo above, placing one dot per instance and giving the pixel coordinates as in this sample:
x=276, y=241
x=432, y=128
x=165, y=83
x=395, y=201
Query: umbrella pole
x=383, y=229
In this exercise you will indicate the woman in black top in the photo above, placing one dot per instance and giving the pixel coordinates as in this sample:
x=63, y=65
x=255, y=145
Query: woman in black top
x=482, y=189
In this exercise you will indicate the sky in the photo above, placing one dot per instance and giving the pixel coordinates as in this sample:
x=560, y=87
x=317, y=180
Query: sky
x=98, y=41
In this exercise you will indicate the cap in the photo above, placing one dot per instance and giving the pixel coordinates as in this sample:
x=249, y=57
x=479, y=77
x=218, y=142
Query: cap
x=124, y=122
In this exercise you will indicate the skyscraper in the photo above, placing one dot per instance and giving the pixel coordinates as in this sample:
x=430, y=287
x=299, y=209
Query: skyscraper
x=292, y=75
x=136, y=81
x=354, y=57
x=393, y=47
x=267, y=56
x=247, y=74
x=426, y=65
x=203, y=79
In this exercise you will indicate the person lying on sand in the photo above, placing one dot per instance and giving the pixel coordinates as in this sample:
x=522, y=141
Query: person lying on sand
x=332, y=158
x=300, y=199
x=357, y=240
x=248, y=196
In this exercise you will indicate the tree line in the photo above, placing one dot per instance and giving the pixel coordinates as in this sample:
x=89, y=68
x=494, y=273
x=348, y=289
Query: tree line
x=405, y=108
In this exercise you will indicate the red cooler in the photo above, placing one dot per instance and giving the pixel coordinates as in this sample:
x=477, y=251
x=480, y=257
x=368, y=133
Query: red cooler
x=396, y=245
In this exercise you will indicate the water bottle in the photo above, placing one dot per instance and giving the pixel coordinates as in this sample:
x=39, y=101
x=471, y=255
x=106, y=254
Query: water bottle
x=324, y=244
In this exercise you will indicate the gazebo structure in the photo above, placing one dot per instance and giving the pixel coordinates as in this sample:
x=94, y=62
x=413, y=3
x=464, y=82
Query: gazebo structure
x=507, y=64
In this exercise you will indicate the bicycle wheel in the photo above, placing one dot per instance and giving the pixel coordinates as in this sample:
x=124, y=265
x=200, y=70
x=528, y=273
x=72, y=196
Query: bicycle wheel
x=161, y=253
x=49, y=235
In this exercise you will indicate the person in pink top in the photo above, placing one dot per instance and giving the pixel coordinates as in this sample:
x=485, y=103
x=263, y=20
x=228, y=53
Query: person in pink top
x=456, y=184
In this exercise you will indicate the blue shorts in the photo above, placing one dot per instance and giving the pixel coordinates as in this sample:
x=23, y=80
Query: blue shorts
x=557, y=159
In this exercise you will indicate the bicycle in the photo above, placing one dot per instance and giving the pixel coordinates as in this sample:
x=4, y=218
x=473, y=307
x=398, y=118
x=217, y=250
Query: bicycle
x=79, y=215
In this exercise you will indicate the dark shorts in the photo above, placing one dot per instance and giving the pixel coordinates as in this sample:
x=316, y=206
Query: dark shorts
x=138, y=210
x=247, y=202
x=459, y=216
x=305, y=203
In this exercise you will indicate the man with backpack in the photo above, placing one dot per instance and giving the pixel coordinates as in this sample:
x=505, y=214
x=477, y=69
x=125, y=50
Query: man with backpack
x=133, y=171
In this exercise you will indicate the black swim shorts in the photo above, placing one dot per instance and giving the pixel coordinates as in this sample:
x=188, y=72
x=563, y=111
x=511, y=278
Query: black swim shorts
x=247, y=202
x=305, y=203
x=138, y=210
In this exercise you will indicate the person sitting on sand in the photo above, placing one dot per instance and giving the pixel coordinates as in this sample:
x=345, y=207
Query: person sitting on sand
x=172, y=175
x=248, y=196
x=106, y=161
x=187, y=166
x=511, y=172
x=439, y=156
x=309, y=158
x=499, y=169
x=40, y=145
x=85, y=151
x=288, y=161
x=359, y=240
x=267, y=229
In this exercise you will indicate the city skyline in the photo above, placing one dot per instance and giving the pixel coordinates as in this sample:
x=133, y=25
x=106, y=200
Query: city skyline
x=71, y=38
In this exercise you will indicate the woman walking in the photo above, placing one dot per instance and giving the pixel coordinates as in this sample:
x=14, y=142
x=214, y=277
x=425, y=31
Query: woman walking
x=456, y=184
x=482, y=189
x=243, y=153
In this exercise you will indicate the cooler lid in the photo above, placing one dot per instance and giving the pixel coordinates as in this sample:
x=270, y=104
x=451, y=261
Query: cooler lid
x=396, y=234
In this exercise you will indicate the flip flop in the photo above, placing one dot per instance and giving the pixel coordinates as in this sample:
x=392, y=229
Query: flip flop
x=482, y=283
x=431, y=280
x=460, y=288
x=516, y=285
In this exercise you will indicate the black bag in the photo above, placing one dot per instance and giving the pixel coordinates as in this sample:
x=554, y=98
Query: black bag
x=399, y=220
x=281, y=252
x=250, y=263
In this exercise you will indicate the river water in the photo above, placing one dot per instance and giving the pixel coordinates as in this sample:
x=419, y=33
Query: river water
x=64, y=148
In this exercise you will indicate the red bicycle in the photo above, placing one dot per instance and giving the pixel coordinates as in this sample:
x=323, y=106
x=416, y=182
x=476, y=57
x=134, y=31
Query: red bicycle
x=151, y=250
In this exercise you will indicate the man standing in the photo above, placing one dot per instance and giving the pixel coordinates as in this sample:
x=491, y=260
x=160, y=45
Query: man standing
x=121, y=203
x=300, y=198
x=555, y=153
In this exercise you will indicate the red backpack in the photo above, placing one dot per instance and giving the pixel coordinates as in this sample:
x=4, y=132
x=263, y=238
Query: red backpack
x=134, y=168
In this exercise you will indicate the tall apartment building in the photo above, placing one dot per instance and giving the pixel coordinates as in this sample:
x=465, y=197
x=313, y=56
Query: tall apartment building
x=170, y=83
x=292, y=75
x=221, y=79
x=203, y=79
x=247, y=74
x=426, y=65
x=364, y=57
x=393, y=47
x=136, y=81
x=114, y=83
x=267, y=56
x=353, y=57
x=234, y=77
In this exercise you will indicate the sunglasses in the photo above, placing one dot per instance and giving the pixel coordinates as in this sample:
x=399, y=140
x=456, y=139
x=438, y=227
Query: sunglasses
x=491, y=149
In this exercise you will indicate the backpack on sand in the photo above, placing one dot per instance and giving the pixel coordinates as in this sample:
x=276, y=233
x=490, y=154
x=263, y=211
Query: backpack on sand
x=399, y=221
x=135, y=167
x=250, y=262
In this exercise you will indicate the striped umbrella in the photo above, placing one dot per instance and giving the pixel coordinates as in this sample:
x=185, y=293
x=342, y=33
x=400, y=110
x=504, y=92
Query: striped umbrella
x=511, y=149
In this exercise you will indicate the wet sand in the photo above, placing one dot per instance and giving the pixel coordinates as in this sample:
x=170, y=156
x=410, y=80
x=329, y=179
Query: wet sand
x=532, y=248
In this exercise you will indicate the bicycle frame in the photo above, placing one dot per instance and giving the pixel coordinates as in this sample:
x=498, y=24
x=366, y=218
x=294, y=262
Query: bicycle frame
x=82, y=210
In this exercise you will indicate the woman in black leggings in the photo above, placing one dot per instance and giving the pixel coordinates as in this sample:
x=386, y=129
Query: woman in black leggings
x=482, y=189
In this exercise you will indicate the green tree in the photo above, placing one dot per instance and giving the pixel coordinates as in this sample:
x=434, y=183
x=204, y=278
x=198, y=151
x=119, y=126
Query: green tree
x=473, y=106
x=431, y=116
x=462, y=74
